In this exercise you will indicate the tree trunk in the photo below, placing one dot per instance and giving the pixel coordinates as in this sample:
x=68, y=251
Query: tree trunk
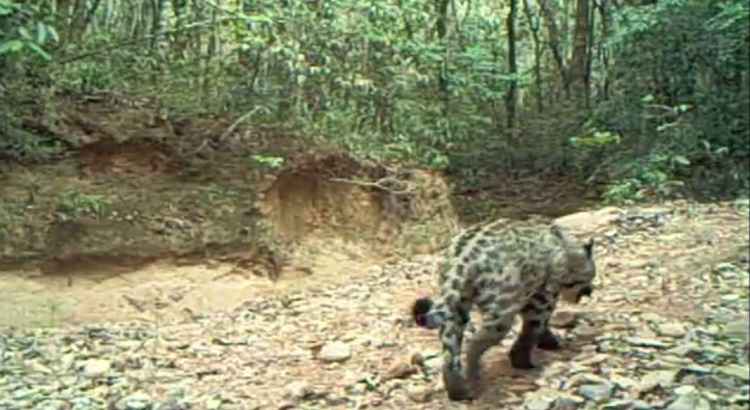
x=555, y=43
x=512, y=95
x=579, y=64
x=603, y=6
x=441, y=27
x=534, y=27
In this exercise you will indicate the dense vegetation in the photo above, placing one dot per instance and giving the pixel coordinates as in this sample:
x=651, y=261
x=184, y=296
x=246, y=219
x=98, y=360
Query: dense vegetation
x=642, y=95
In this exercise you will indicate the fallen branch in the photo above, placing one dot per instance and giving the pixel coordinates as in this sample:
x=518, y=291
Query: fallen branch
x=234, y=125
x=379, y=184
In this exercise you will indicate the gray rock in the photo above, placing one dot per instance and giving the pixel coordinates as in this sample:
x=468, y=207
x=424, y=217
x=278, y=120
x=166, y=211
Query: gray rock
x=51, y=405
x=96, y=367
x=738, y=329
x=672, y=329
x=214, y=403
x=624, y=404
x=690, y=401
x=659, y=378
x=174, y=404
x=567, y=403
x=736, y=370
x=24, y=394
x=714, y=382
x=286, y=405
x=135, y=401
x=596, y=392
x=85, y=403
x=335, y=352
x=641, y=405
x=637, y=341
x=298, y=390
x=538, y=403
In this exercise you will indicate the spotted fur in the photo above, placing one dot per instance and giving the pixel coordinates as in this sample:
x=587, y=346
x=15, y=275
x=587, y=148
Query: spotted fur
x=504, y=271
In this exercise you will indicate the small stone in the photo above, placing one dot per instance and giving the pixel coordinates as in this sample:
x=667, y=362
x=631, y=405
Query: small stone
x=735, y=370
x=584, y=378
x=738, y=329
x=40, y=368
x=641, y=405
x=695, y=369
x=659, y=378
x=622, y=382
x=538, y=403
x=286, y=405
x=96, y=367
x=336, y=401
x=682, y=390
x=135, y=401
x=298, y=390
x=84, y=403
x=419, y=394
x=214, y=403
x=399, y=370
x=567, y=402
x=690, y=401
x=564, y=319
x=52, y=405
x=618, y=405
x=672, y=329
x=596, y=392
x=637, y=341
x=715, y=382
x=652, y=317
x=335, y=352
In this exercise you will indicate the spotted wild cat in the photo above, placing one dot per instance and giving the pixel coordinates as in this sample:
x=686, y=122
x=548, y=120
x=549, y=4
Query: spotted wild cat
x=504, y=271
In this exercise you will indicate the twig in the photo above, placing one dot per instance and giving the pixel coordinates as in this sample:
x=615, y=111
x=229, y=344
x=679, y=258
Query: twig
x=377, y=184
x=234, y=125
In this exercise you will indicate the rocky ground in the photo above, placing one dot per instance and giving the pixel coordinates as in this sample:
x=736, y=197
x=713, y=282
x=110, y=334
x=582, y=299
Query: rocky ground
x=667, y=328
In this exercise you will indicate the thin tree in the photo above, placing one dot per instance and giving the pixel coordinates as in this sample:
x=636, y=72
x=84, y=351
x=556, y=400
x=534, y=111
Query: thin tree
x=512, y=95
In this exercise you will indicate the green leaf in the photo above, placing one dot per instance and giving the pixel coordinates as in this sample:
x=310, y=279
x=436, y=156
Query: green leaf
x=7, y=7
x=24, y=33
x=11, y=46
x=38, y=50
x=41, y=32
x=53, y=33
x=681, y=160
x=258, y=19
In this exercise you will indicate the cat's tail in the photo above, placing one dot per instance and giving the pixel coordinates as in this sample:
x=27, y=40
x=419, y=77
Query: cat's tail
x=422, y=312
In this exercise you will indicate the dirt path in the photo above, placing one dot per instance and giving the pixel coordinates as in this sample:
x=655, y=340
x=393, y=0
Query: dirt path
x=667, y=328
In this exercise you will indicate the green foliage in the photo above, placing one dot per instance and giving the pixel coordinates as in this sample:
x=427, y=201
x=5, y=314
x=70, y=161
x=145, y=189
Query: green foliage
x=595, y=139
x=272, y=162
x=649, y=178
x=75, y=204
x=670, y=85
x=683, y=95
x=23, y=146
x=368, y=76
x=24, y=29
